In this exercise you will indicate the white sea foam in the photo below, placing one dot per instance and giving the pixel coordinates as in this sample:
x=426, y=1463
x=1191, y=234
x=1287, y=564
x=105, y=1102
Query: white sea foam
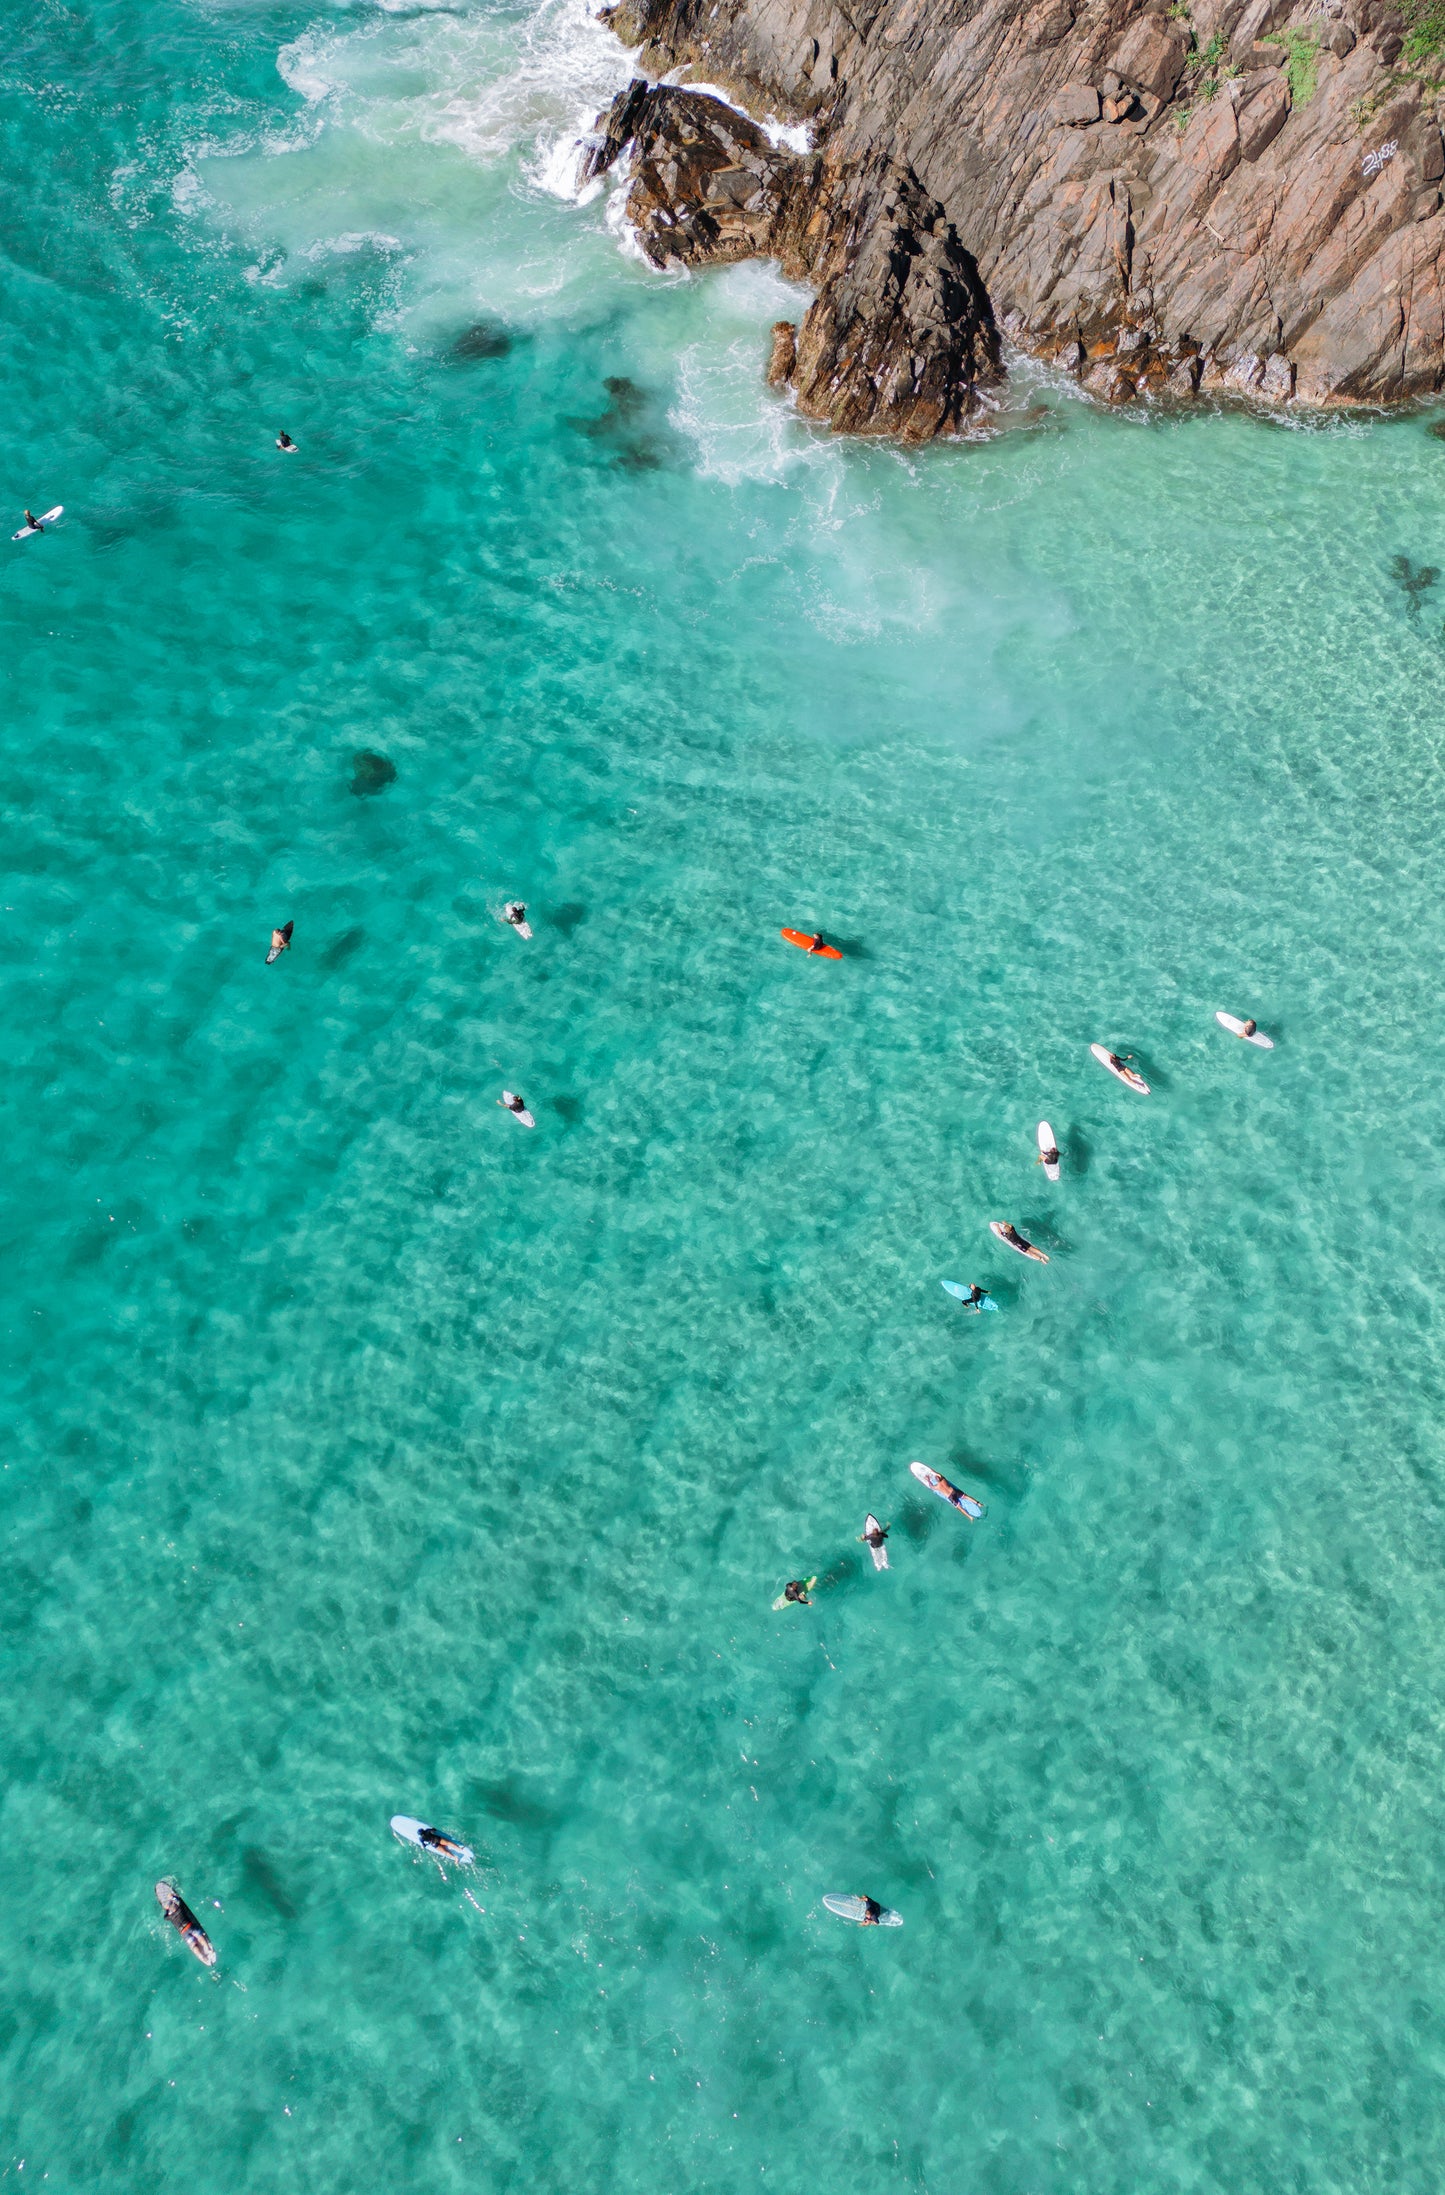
x=739, y=428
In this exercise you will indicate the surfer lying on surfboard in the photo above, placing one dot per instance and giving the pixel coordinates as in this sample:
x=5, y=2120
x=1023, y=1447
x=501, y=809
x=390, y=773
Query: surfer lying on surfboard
x=427, y=1839
x=865, y=1912
x=946, y=1490
x=1007, y=1232
x=448, y=1847
x=1249, y=1030
x=1118, y=1064
x=179, y=1914
x=280, y=942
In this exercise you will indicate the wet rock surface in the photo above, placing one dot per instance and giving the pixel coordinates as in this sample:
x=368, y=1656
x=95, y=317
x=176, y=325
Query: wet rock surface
x=1240, y=196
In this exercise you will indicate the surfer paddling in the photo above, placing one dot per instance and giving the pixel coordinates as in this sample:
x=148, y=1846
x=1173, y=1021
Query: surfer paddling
x=179, y=1914
x=447, y=1847
x=1118, y=1064
x=280, y=942
x=1007, y=1232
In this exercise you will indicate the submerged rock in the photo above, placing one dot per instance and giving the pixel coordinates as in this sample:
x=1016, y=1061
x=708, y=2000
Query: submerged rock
x=623, y=425
x=483, y=339
x=371, y=773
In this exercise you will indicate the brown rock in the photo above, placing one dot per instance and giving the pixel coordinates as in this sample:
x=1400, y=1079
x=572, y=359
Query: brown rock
x=785, y=354
x=1262, y=117
x=899, y=335
x=1262, y=232
x=1076, y=106
x=1150, y=57
x=1110, y=382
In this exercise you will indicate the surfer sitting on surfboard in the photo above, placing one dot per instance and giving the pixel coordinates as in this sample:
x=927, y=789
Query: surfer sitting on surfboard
x=515, y=912
x=284, y=441
x=1049, y=1157
x=796, y=1589
x=33, y=523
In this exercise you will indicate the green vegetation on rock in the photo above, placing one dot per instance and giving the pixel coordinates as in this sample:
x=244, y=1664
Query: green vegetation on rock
x=1302, y=59
x=1424, y=30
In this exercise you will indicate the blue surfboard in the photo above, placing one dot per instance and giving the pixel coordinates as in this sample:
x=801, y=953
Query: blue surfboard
x=957, y=1288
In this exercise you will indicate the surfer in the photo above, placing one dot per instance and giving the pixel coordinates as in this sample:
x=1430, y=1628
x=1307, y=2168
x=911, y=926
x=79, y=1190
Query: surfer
x=816, y=943
x=515, y=912
x=1120, y=1062
x=871, y=1914
x=1249, y=1028
x=796, y=1589
x=1049, y=1157
x=973, y=1301
x=33, y=523
x=874, y=1534
x=179, y=1914
x=284, y=441
x=1007, y=1232
x=513, y=1103
x=280, y=942
x=436, y=1842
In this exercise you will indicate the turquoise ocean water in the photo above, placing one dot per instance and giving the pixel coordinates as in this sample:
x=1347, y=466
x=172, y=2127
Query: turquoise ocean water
x=367, y=1454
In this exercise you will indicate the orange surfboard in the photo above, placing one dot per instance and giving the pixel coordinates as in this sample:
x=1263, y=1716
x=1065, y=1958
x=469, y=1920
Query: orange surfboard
x=819, y=952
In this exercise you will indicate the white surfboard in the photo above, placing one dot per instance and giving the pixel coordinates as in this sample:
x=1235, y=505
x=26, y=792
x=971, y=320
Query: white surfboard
x=875, y=1538
x=505, y=1101
x=1127, y=1075
x=47, y=518
x=856, y=1909
x=1016, y=1241
x=411, y=1831
x=1047, y=1144
x=946, y=1491
x=1236, y=1028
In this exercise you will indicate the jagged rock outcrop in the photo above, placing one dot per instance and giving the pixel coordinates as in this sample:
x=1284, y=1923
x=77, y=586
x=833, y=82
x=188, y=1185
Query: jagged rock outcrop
x=1230, y=194
x=899, y=338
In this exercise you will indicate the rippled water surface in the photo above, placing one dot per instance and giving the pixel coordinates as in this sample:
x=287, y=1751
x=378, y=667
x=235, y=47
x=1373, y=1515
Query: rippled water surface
x=368, y=1454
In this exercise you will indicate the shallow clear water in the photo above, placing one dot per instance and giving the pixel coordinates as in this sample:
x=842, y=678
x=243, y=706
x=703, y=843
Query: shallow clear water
x=368, y=1454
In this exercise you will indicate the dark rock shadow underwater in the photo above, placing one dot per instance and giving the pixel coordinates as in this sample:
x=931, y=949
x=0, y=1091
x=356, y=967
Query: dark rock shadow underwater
x=371, y=773
x=624, y=429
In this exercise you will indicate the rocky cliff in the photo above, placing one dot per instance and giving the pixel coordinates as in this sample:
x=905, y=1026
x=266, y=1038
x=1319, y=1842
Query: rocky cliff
x=1210, y=195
